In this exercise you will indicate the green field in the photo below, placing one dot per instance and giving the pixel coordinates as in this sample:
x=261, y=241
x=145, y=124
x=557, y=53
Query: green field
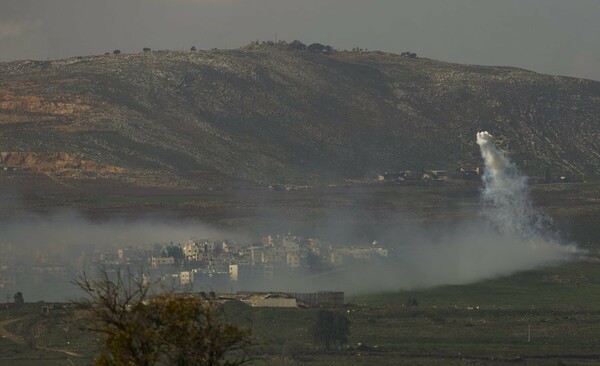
x=483, y=323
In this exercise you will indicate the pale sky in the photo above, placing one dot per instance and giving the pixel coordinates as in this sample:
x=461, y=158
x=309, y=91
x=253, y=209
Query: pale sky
x=550, y=36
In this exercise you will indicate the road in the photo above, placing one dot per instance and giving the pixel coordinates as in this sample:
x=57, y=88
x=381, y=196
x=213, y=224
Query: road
x=8, y=335
x=20, y=341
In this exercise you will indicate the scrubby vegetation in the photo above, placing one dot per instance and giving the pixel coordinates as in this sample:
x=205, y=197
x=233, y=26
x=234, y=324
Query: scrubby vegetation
x=278, y=112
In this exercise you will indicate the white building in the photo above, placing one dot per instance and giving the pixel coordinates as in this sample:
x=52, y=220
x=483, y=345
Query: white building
x=155, y=262
x=185, y=278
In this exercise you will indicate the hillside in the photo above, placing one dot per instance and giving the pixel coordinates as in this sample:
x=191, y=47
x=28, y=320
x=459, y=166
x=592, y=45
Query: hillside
x=271, y=114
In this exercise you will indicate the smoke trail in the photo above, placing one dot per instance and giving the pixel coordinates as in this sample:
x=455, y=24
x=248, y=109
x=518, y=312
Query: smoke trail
x=508, y=208
x=505, y=196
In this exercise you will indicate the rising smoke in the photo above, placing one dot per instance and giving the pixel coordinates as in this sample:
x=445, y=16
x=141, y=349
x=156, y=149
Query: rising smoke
x=508, y=236
x=505, y=196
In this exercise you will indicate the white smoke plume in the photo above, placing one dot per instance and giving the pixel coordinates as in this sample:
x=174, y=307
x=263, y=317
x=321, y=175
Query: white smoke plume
x=506, y=203
x=506, y=195
x=508, y=237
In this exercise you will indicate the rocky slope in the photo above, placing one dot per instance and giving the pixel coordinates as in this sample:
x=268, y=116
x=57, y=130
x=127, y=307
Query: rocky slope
x=278, y=115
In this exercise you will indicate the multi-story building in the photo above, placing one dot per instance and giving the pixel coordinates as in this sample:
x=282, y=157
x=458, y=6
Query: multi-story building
x=156, y=262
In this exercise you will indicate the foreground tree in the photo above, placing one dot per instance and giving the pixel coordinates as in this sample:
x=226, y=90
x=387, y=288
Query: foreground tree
x=165, y=329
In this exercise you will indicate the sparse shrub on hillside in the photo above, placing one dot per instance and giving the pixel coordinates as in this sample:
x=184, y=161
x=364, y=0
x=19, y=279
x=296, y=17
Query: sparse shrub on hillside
x=412, y=302
x=315, y=47
x=193, y=49
x=318, y=47
x=116, y=52
x=146, y=49
x=298, y=45
x=295, y=118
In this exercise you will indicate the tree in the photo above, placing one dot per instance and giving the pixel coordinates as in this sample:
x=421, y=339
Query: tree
x=412, y=302
x=298, y=45
x=18, y=297
x=315, y=47
x=174, y=251
x=193, y=49
x=146, y=49
x=165, y=329
x=330, y=328
x=116, y=52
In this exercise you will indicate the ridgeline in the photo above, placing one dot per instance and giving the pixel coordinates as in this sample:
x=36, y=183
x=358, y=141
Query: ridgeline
x=266, y=114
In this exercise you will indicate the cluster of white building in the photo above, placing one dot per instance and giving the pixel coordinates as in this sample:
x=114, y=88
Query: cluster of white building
x=221, y=265
x=210, y=262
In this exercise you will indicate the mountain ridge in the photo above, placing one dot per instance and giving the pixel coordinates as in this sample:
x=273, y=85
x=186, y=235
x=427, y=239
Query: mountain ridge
x=278, y=115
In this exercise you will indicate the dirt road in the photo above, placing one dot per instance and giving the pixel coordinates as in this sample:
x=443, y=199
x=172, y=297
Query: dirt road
x=8, y=335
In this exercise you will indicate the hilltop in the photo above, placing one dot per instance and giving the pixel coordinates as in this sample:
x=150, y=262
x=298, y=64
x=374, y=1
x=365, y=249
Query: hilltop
x=272, y=114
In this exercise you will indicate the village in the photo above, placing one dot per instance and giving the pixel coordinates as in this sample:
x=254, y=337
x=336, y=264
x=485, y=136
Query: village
x=208, y=266
x=202, y=264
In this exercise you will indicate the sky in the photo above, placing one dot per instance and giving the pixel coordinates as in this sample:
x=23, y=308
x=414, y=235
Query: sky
x=548, y=36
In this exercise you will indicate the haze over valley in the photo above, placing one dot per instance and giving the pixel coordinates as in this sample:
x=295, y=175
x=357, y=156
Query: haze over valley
x=299, y=183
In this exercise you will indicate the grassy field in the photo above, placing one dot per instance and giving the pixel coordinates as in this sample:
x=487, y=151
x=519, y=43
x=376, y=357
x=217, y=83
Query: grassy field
x=483, y=323
x=486, y=323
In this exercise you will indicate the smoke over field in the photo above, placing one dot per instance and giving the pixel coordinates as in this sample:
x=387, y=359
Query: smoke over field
x=508, y=235
x=505, y=196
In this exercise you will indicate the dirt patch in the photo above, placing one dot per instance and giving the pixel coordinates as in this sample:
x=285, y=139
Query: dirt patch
x=65, y=106
x=52, y=162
